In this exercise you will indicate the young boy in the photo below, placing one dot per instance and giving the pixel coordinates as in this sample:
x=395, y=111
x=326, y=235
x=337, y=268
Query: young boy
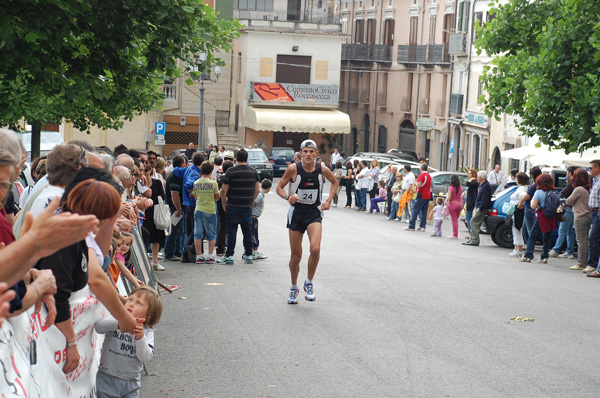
x=206, y=192
x=257, y=209
x=123, y=354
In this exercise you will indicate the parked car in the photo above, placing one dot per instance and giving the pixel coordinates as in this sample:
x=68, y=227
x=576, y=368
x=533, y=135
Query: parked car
x=441, y=181
x=176, y=152
x=258, y=159
x=280, y=156
x=495, y=224
x=405, y=154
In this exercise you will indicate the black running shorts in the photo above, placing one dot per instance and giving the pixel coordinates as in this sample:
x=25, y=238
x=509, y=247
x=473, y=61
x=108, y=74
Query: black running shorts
x=300, y=217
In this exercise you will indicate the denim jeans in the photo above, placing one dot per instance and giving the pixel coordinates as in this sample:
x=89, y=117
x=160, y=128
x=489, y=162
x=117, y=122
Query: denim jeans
x=594, y=246
x=173, y=241
x=393, y=211
x=533, y=234
x=528, y=219
x=241, y=216
x=362, y=197
x=566, y=231
x=419, y=210
x=468, y=216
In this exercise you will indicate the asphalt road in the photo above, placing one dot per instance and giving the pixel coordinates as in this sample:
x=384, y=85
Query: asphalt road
x=398, y=314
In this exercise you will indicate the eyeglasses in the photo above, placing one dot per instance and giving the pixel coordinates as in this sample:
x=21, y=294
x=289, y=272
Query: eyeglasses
x=82, y=153
x=5, y=186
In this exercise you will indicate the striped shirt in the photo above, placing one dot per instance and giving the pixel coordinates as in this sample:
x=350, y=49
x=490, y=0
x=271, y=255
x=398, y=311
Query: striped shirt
x=594, y=200
x=242, y=181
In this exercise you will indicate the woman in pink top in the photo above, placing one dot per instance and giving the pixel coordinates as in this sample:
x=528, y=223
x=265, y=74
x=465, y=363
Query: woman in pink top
x=380, y=198
x=454, y=203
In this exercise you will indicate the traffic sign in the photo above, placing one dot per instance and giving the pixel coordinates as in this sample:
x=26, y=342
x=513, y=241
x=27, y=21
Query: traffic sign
x=425, y=123
x=160, y=128
x=451, y=149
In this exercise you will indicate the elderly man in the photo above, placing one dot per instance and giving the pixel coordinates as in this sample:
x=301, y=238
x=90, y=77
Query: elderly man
x=190, y=151
x=482, y=204
x=126, y=161
x=495, y=176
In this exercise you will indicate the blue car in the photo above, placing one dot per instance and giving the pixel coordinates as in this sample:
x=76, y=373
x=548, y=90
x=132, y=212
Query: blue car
x=495, y=224
x=279, y=157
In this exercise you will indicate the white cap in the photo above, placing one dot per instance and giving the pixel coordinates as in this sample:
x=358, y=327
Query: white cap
x=308, y=144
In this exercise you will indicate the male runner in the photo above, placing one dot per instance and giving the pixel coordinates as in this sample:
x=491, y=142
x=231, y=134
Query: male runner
x=306, y=213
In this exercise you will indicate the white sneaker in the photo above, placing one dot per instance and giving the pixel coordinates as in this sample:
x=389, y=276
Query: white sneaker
x=421, y=229
x=513, y=253
x=259, y=256
x=566, y=255
x=552, y=253
x=589, y=269
x=158, y=267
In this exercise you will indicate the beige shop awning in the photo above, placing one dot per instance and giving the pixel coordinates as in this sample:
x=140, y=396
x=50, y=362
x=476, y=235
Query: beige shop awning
x=327, y=121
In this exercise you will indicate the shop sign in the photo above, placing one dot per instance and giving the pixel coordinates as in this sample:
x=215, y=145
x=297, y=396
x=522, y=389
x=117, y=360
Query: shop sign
x=476, y=119
x=295, y=93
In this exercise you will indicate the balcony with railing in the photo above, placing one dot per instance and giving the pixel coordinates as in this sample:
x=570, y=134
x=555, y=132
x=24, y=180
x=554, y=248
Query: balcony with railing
x=353, y=95
x=456, y=104
x=429, y=54
x=406, y=104
x=367, y=52
x=440, y=109
x=170, y=91
x=364, y=96
x=424, y=106
x=382, y=99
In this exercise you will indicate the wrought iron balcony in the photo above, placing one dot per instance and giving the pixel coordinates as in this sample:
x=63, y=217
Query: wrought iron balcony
x=430, y=54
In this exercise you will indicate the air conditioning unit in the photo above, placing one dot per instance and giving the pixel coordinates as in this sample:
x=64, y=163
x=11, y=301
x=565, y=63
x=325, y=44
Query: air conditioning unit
x=457, y=44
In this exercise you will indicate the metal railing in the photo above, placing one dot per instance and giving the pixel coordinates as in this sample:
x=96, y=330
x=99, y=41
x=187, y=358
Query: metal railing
x=367, y=52
x=423, y=54
x=286, y=16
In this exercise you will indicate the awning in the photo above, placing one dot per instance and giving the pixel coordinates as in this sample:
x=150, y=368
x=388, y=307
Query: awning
x=326, y=121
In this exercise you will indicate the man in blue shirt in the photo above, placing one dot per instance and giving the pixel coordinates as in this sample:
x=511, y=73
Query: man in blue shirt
x=189, y=176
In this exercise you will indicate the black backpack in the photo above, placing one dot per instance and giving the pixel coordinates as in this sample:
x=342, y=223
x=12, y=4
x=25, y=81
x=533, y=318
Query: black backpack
x=554, y=205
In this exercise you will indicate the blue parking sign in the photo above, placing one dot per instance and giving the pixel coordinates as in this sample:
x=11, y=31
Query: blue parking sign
x=159, y=128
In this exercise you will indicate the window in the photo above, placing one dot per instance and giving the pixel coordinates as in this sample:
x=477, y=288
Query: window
x=346, y=5
x=490, y=17
x=388, y=32
x=239, y=76
x=371, y=31
x=320, y=4
x=237, y=117
x=479, y=90
x=372, y=3
x=360, y=4
x=390, y=3
x=448, y=27
x=463, y=16
x=413, y=30
x=477, y=21
x=359, y=28
x=293, y=69
x=432, y=22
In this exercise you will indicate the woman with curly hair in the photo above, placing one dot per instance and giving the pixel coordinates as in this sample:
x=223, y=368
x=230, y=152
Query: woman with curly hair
x=583, y=217
x=542, y=224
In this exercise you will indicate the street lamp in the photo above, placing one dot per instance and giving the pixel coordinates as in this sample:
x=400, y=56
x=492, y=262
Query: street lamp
x=205, y=75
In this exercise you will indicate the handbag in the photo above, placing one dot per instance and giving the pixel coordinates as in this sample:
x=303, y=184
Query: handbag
x=162, y=216
x=446, y=211
x=397, y=196
x=508, y=208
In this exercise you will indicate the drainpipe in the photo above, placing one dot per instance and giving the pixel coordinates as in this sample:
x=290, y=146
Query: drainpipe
x=449, y=161
x=375, y=132
x=420, y=69
x=349, y=64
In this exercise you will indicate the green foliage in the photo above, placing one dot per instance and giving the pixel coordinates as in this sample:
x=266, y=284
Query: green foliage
x=94, y=62
x=546, y=69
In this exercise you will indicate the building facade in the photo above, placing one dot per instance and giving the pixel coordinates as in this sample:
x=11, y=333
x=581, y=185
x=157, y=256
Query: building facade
x=396, y=70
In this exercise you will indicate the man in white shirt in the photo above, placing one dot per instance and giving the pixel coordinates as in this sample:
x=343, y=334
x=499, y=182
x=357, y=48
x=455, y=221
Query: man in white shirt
x=335, y=157
x=495, y=176
x=408, y=183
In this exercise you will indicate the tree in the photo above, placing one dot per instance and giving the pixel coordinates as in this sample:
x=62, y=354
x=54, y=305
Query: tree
x=98, y=62
x=546, y=69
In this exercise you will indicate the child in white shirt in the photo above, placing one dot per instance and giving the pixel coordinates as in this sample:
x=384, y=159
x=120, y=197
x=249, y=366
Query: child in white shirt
x=438, y=216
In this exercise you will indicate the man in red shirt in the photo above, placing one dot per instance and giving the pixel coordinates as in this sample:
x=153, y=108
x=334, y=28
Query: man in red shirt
x=423, y=187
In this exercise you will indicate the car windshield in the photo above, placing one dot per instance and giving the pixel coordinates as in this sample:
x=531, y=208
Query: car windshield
x=288, y=153
x=257, y=156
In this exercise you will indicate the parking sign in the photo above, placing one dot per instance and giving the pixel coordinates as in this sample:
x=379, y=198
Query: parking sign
x=159, y=128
